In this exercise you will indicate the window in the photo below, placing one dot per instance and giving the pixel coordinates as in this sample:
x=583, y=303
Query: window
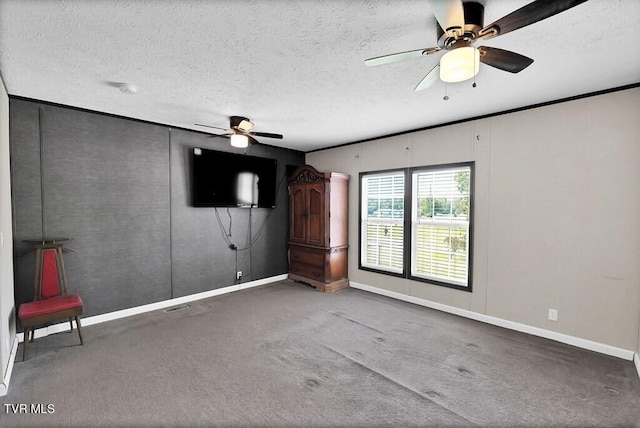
x=382, y=221
x=440, y=208
x=437, y=215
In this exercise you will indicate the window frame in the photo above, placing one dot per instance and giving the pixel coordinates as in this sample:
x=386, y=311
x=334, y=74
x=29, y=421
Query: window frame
x=408, y=226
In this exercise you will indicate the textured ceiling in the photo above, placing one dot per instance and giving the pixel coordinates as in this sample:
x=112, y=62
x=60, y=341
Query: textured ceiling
x=297, y=67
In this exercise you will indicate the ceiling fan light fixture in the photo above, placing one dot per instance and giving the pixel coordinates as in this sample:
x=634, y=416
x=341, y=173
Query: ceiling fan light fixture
x=459, y=64
x=240, y=141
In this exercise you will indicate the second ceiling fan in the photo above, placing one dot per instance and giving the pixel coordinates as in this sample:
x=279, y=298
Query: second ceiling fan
x=240, y=133
x=459, y=25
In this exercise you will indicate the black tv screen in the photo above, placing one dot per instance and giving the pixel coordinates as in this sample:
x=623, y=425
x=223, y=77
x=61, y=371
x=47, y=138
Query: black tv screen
x=222, y=179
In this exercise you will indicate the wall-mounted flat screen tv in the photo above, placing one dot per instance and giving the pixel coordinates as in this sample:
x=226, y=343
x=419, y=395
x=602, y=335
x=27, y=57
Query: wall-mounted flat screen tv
x=222, y=179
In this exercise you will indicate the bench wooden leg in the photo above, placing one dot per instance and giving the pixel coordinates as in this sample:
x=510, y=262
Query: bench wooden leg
x=79, y=329
x=25, y=342
x=71, y=324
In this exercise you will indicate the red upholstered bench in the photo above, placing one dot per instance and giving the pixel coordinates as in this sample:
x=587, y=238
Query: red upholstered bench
x=52, y=303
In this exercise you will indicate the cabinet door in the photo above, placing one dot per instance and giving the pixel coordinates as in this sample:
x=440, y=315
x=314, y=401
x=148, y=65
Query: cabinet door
x=297, y=213
x=315, y=211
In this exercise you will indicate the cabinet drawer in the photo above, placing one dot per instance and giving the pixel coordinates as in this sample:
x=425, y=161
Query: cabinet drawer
x=307, y=256
x=309, y=271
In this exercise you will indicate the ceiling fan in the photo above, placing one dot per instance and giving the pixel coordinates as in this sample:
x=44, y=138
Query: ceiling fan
x=240, y=133
x=460, y=25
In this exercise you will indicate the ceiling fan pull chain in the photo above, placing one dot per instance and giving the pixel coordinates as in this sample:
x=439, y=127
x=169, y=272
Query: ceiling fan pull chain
x=475, y=68
x=446, y=97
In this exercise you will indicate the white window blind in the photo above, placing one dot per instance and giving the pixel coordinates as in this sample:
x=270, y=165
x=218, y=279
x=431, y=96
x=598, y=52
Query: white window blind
x=440, y=216
x=382, y=221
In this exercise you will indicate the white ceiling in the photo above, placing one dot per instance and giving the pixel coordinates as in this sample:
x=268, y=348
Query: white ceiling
x=297, y=67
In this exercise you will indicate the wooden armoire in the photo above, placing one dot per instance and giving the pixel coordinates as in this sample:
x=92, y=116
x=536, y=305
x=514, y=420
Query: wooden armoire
x=318, y=228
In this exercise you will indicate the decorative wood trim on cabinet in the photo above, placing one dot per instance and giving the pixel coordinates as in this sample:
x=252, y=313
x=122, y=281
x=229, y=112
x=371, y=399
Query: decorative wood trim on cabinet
x=318, y=240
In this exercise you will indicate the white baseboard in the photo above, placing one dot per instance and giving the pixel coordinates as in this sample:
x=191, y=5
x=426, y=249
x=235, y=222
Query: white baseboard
x=4, y=386
x=636, y=360
x=97, y=319
x=536, y=331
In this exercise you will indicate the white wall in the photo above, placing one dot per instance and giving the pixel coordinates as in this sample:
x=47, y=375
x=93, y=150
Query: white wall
x=7, y=307
x=556, y=213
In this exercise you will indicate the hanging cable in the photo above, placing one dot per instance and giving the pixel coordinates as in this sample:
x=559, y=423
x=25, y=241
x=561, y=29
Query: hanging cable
x=247, y=242
x=225, y=236
x=236, y=265
x=250, y=240
x=250, y=245
x=264, y=223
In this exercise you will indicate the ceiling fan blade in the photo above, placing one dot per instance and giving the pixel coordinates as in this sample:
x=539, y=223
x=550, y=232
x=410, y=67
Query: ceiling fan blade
x=448, y=13
x=266, y=134
x=218, y=135
x=527, y=15
x=429, y=79
x=504, y=60
x=208, y=126
x=400, y=56
x=245, y=125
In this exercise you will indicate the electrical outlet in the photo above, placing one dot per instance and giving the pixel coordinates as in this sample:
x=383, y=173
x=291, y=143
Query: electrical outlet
x=239, y=274
x=553, y=314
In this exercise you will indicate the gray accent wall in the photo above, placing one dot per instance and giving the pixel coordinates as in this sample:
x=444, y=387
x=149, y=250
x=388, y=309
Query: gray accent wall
x=121, y=189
